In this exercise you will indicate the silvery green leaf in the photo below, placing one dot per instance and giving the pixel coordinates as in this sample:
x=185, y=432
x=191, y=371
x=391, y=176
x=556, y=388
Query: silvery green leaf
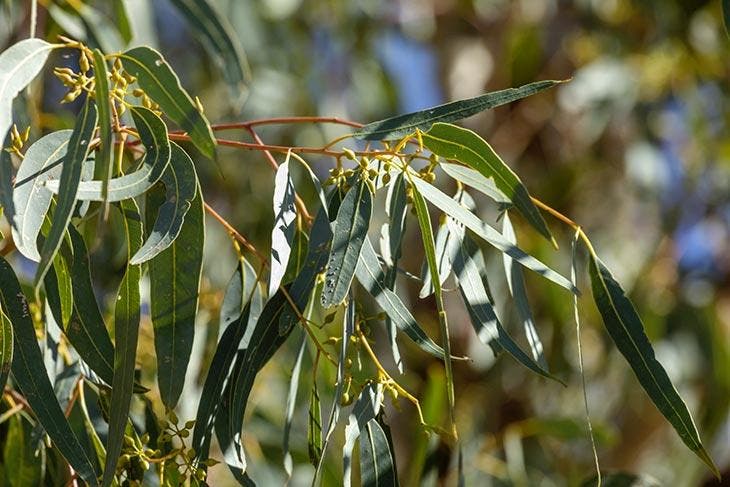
x=366, y=408
x=282, y=235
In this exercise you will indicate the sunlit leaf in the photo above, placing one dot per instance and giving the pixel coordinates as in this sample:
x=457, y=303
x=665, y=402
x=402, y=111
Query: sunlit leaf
x=402, y=125
x=126, y=334
x=6, y=347
x=473, y=178
x=78, y=149
x=377, y=461
x=463, y=145
x=103, y=159
x=20, y=452
x=488, y=233
x=19, y=64
x=627, y=331
x=220, y=40
x=282, y=234
x=366, y=408
x=31, y=199
x=160, y=82
x=174, y=284
x=516, y=286
x=153, y=134
x=291, y=402
x=351, y=227
x=30, y=376
x=180, y=182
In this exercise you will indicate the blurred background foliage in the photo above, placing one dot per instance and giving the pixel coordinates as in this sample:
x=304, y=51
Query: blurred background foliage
x=636, y=148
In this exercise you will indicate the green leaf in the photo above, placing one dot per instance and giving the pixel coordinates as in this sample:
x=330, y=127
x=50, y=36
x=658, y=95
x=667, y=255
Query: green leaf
x=282, y=234
x=126, y=334
x=377, y=461
x=476, y=180
x=366, y=408
x=160, y=82
x=488, y=233
x=31, y=376
x=31, y=199
x=402, y=125
x=463, y=145
x=174, y=286
x=351, y=228
x=6, y=183
x=448, y=239
x=19, y=64
x=516, y=285
x=153, y=134
x=483, y=317
x=20, y=454
x=180, y=182
x=6, y=347
x=314, y=427
x=78, y=149
x=627, y=332
x=103, y=159
x=291, y=403
x=221, y=41
x=64, y=287
x=370, y=275
x=726, y=15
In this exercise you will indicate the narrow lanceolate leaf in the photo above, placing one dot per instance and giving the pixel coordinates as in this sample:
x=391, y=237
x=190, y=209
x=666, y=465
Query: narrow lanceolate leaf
x=516, y=285
x=463, y=145
x=365, y=409
x=19, y=64
x=448, y=239
x=483, y=318
x=78, y=149
x=627, y=332
x=6, y=347
x=153, y=135
x=160, y=82
x=6, y=182
x=370, y=275
x=180, y=182
x=377, y=461
x=314, y=427
x=126, y=333
x=402, y=125
x=31, y=377
x=314, y=180
x=282, y=234
x=474, y=179
x=488, y=233
x=351, y=228
x=103, y=160
x=174, y=286
x=220, y=41
x=42, y=162
x=291, y=403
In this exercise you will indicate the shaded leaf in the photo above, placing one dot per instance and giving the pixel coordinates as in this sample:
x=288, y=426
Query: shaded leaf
x=174, y=286
x=366, y=408
x=402, y=125
x=78, y=149
x=488, y=233
x=31, y=377
x=291, y=402
x=726, y=15
x=19, y=64
x=103, y=159
x=463, y=145
x=314, y=427
x=377, y=461
x=351, y=228
x=180, y=182
x=220, y=40
x=474, y=179
x=627, y=332
x=160, y=82
x=126, y=334
x=23, y=467
x=6, y=347
x=282, y=234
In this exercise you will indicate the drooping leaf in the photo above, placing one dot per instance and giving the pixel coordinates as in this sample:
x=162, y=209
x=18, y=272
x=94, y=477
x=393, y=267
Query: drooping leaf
x=6, y=183
x=377, y=460
x=103, y=159
x=63, y=287
x=627, y=332
x=31, y=198
x=19, y=64
x=78, y=149
x=402, y=125
x=314, y=427
x=314, y=180
x=20, y=452
x=282, y=234
x=297, y=257
x=516, y=286
x=221, y=41
x=31, y=377
x=463, y=145
x=174, y=285
x=6, y=347
x=483, y=317
x=370, y=275
x=366, y=408
x=488, y=233
x=474, y=179
x=180, y=182
x=126, y=334
x=351, y=228
x=158, y=80
x=291, y=402
x=153, y=134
